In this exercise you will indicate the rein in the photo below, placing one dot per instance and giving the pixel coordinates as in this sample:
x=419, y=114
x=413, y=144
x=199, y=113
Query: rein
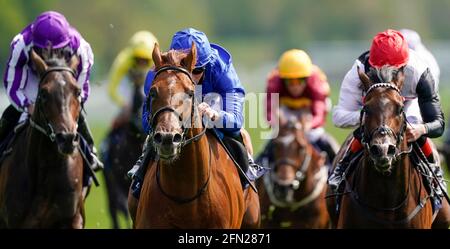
x=321, y=178
x=158, y=112
x=362, y=206
x=49, y=132
x=185, y=141
x=386, y=130
x=383, y=129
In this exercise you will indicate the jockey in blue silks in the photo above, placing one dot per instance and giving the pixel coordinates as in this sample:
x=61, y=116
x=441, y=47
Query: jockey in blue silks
x=215, y=72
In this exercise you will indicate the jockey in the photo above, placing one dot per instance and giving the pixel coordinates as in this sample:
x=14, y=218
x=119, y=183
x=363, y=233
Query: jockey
x=422, y=105
x=300, y=84
x=415, y=43
x=132, y=62
x=50, y=29
x=215, y=72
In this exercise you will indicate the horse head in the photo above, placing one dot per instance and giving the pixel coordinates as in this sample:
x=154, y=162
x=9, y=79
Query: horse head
x=58, y=101
x=172, y=100
x=383, y=119
x=290, y=154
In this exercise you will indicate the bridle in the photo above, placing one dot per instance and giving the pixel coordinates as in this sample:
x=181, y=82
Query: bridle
x=300, y=172
x=300, y=175
x=366, y=138
x=184, y=142
x=153, y=117
x=383, y=129
x=48, y=130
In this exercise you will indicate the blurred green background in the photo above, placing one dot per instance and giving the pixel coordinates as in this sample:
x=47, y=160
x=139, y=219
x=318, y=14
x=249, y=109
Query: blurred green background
x=256, y=32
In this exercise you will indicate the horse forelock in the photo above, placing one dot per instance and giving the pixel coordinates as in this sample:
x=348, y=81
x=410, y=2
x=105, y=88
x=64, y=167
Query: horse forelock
x=386, y=74
x=173, y=57
x=56, y=57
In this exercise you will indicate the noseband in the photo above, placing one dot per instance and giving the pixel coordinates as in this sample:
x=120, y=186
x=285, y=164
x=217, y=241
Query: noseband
x=300, y=172
x=184, y=141
x=48, y=130
x=383, y=129
x=153, y=117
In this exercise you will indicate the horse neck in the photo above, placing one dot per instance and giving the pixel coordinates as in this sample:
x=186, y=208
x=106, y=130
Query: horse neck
x=185, y=176
x=384, y=190
x=43, y=157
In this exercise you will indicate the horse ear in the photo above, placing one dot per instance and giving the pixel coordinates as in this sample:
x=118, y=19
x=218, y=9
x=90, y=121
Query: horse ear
x=157, y=56
x=74, y=62
x=191, y=58
x=39, y=64
x=364, y=79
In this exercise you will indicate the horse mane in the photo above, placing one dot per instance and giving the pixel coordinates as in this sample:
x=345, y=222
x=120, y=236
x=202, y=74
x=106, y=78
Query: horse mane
x=385, y=74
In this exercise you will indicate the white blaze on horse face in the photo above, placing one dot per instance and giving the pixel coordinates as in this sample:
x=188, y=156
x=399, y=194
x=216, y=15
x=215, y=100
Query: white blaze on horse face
x=287, y=140
x=171, y=81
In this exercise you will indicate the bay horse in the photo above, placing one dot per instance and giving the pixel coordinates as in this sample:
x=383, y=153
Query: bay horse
x=292, y=195
x=385, y=189
x=41, y=179
x=194, y=184
x=120, y=149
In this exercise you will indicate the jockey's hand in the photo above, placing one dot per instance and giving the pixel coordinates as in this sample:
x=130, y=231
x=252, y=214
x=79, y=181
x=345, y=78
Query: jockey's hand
x=205, y=109
x=414, y=131
x=30, y=109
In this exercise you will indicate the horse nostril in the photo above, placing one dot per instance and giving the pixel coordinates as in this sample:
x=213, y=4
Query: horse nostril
x=65, y=137
x=158, y=138
x=375, y=150
x=59, y=138
x=391, y=150
x=177, y=138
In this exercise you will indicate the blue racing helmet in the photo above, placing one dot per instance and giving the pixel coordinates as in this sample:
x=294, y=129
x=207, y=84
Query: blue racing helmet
x=183, y=40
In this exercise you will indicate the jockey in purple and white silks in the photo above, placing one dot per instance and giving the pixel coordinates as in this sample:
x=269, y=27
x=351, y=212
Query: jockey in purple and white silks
x=50, y=30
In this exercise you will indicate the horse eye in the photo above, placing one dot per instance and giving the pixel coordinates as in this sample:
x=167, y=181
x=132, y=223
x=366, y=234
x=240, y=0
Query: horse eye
x=78, y=93
x=152, y=93
x=190, y=93
x=43, y=95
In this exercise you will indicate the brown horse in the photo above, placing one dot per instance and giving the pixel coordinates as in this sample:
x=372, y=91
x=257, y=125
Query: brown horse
x=41, y=180
x=293, y=194
x=194, y=184
x=120, y=149
x=385, y=189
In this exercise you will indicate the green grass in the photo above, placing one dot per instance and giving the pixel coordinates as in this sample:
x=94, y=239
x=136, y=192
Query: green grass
x=97, y=214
